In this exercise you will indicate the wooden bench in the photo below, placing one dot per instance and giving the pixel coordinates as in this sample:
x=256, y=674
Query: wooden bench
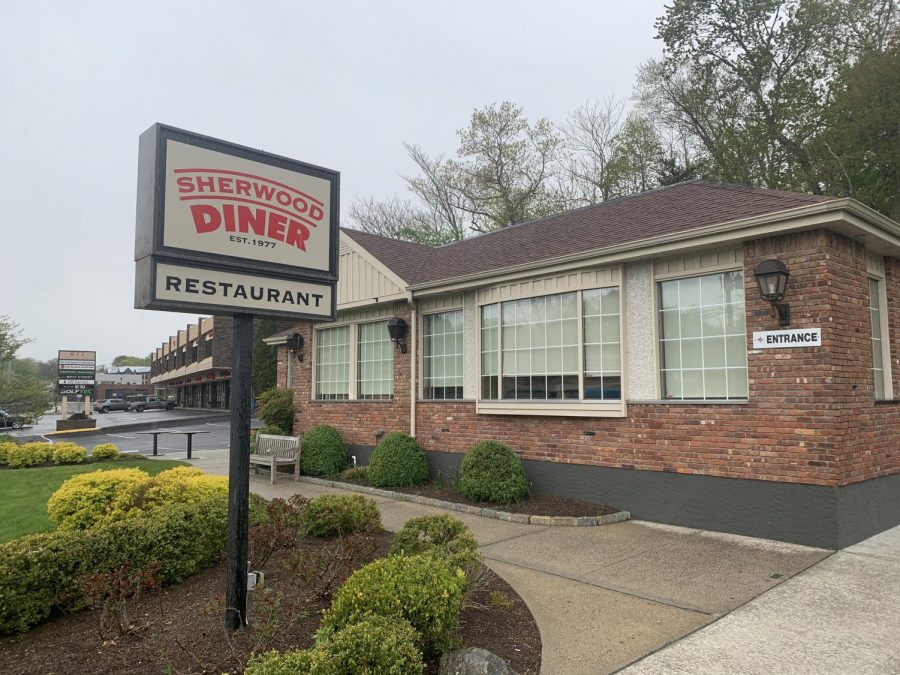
x=274, y=451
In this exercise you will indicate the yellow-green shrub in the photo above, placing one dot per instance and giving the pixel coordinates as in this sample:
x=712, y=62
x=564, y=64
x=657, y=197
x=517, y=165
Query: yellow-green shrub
x=296, y=662
x=330, y=515
x=184, y=485
x=419, y=589
x=105, y=451
x=69, y=453
x=42, y=572
x=90, y=498
x=4, y=450
x=28, y=454
x=446, y=537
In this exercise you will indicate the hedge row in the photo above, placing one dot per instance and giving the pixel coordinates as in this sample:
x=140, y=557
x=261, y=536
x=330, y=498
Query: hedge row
x=66, y=452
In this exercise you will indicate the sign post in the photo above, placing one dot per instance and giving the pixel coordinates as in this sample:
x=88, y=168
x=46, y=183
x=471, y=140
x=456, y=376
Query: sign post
x=225, y=229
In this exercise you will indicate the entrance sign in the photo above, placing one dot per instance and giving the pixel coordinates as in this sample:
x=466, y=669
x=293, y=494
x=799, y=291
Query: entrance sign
x=77, y=373
x=780, y=339
x=225, y=229
x=259, y=220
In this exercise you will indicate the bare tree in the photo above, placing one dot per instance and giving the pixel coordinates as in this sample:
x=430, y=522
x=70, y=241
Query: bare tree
x=399, y=219
x=592, y=136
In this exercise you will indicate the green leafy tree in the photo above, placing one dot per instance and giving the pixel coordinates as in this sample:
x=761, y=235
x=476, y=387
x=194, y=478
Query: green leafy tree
x=123, y=360
x=861, y=145
x=750, y=80
x=265, y=363
x=21, y=390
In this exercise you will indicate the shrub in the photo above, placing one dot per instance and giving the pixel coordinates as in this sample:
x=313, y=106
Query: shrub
x=184, y=485
x=398, y=460
x=107, y=451
x=272, y=431
x=355, y=474
x=43, y=572
x=84, y=500
x=276, y=408
x=5, y=447
x=376, y=645
x=329, y=515
x=420, y=589
x=443, y=536
x=322, y=452
x=491, y=472
x=69, y=453
x=28, y=454
x=298, y=662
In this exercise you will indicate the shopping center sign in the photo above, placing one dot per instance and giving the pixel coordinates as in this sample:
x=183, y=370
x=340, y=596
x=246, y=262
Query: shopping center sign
x=77, y=373
x=222, y=228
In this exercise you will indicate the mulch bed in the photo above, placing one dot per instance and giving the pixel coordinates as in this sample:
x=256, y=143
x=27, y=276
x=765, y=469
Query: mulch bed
x=179, y=629
x=535, y=505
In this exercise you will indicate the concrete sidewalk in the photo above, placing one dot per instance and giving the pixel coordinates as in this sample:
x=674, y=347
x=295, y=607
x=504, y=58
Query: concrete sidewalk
x=840, y=616
x=602, y=596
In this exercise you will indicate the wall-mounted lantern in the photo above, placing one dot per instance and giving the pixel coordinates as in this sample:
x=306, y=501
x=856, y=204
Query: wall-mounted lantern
x=295, y=345
x=772, y=277
x=397, y=329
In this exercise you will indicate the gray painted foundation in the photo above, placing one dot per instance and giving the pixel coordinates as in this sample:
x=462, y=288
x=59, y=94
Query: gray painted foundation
x=813, y=515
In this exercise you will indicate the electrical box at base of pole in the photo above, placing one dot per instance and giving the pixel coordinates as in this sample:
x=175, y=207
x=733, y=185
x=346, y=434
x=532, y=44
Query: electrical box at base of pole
x=254, y=579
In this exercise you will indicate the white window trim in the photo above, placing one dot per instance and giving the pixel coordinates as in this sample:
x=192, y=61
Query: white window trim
x=885, y=337
x=353, y=369
x=558, y=408
x=420, y=355
x=657, y=336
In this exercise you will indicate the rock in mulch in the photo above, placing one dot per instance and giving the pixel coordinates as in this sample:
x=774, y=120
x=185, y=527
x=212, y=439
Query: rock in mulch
x=473, y=661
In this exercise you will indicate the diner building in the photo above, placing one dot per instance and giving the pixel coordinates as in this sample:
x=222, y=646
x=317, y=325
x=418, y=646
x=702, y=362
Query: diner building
x=702, y=354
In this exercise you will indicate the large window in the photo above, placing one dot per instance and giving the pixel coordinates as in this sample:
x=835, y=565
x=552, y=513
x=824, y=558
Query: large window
x=375, y=362
x=703, y=345
x=332, y=363
x=878, y=357
x=443, y=355
x=531, y=348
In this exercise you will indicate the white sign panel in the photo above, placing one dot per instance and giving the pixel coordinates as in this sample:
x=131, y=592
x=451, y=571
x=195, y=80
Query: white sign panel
x=781, y=339
x=227, y=205
x=251, y=293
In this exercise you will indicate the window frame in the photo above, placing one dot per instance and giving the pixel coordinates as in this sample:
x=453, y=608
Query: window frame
x=353, y=365
x=658, y=280
x=572, y=407
x=421, y=321
x=884, y=325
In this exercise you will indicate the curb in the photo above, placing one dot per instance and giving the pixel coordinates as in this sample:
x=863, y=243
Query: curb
x=156, y=424
x=523, y=518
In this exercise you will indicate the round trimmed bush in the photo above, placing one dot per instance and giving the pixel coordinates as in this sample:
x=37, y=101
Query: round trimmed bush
x=69, y=453
x=446, y=537
x=330, y=515
x=272, y=430
x=297, y=662
x=377, y=645
x=398, y=460
x=87, y=499
x=29, y=454
x=491, y=472
x=419, y=589
x=276, y=408
x=184, y=485
x=107, y=451
x=323, y=452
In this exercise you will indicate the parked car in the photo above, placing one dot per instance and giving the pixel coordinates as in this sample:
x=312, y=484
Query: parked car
x=8, y=421
x=108, y=404
x=142, y=403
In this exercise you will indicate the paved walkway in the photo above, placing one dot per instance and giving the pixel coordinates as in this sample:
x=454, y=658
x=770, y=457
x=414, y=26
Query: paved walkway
x=605, y=596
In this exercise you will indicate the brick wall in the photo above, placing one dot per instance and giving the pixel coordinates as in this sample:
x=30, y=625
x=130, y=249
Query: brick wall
x=810, y=417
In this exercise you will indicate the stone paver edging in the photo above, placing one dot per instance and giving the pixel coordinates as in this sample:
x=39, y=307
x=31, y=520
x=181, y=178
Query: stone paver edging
x=524, y=518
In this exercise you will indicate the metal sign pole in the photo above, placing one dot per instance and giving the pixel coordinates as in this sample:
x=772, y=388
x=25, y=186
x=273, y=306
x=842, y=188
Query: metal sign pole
x=239, y=473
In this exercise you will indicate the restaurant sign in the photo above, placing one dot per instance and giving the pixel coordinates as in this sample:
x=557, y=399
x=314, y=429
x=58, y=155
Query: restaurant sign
x=222, y=228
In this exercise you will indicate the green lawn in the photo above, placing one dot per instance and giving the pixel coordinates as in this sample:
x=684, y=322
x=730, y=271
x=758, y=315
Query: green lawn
x=24, y=492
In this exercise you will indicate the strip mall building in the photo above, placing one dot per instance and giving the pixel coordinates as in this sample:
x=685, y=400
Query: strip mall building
x=613, y=348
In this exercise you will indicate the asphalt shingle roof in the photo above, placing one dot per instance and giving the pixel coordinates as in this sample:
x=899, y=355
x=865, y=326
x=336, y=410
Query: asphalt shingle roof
x=676, y=208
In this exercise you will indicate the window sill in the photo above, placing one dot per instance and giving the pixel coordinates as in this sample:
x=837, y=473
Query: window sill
x=570, y=408
x=887, y=401
x=692, y=401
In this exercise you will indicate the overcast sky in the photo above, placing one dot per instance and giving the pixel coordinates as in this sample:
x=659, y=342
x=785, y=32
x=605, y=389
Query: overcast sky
x=339, y=84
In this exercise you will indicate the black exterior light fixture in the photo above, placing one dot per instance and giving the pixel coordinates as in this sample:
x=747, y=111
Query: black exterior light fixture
x=772, y=277
x=397, y=330
x=295, y=345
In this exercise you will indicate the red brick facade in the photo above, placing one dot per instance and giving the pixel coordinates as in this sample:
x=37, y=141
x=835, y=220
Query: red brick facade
x=810, y=418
